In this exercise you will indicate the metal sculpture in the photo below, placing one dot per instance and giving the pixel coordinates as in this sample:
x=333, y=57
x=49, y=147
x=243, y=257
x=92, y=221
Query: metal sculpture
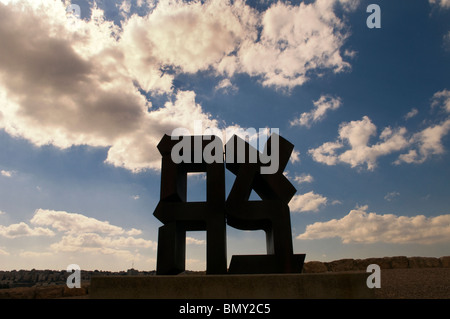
x=270, y=214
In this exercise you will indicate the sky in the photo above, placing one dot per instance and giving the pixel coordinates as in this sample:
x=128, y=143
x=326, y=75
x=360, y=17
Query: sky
x=86, y=96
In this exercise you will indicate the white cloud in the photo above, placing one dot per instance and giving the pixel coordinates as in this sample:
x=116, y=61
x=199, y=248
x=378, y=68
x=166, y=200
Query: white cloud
x=191, y=36
x=362, y=227
x=441, y=99
x=23, y=230
x=6, y=173
x=73, y=223
x=321, y=106
x=226, y=86
x=411, y=113
x=391, y=196
x=193, y=241
x=356, y=135
x=326, y=153
x=97, y=244
x=307, y=202
x=445, y=4
x=295, y=41
x=134, y=232
x=349, y=5
x=295, y=157
x=428, y=142
x=85, y=76
x=88, y=235
x=4, y=252
x=2, y=212
x=304, y=178
x=90, y=95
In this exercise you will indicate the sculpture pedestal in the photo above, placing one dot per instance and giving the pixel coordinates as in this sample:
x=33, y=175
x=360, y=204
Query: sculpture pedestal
x=269, y=286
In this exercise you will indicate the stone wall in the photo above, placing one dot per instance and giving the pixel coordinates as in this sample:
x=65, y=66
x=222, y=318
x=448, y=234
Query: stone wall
x=31, y=278
x=397, y=262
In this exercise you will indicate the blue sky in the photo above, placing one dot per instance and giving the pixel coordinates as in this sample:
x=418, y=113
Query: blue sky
x=84, y=101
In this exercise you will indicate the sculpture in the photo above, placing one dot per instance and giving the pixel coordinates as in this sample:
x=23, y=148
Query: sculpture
x=271, y=214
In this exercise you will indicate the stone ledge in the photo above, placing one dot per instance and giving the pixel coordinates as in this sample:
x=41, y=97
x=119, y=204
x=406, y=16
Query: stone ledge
x=396, y=262
x=276, y=286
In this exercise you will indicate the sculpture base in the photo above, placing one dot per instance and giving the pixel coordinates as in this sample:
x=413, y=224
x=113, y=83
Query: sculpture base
x=265, y=264
x=273, y=286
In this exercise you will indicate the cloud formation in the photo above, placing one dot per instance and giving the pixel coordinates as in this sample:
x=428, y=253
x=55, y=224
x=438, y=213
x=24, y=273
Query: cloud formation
x=355, y=137
x=358, y=226
x=23, y=230
x=353, y=145
x=79, y=233
x=441, y=99
x=304, y=178
x=194, y=241
x=411, y=113
x=66, y=81
x=444, y=4
x=308, y=202
x=324, y=104
x=426, y=143
x=73, y=223
x=6, y=173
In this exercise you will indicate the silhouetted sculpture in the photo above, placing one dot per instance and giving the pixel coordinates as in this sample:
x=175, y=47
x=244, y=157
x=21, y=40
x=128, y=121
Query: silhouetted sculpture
x=270, y=214
x=179, y=216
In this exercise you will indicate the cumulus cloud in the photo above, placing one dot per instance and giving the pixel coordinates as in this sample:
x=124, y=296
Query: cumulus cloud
x=411, y=113
x=309, y=202
x=134, y=232
x=69, y=82
x=23, y=230
x=294, y=42
x=92, y=242
x=324, y=104
x=67, y=87
x=193, y=241
x=444, y=4
x=362, y=227
x=192, y=36
x=304, y=178
x=355, y=136
x=226, y=86
x=441, y=99
x=6, y=173
x=73, y=223
x=353, y=145
x=80, y=233
x=427, y=142
x=295, y=157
